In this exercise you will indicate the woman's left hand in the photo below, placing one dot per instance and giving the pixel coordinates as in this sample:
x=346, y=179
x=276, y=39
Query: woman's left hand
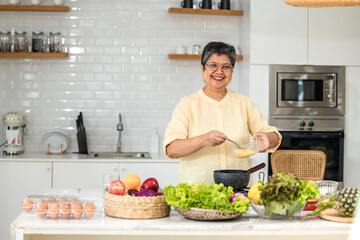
x=268, y=139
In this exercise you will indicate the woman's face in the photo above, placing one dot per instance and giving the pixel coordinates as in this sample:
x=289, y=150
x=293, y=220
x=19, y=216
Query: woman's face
x=217, y=73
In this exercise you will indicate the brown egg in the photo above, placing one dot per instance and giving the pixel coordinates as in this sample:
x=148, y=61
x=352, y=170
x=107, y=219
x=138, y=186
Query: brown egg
x=37, y=201
x=51, y=199
x=42, y=209
x=89, y=210
x=63, y=199
x=77, y=210
x=28, y=205
x=53, y=210
x=74, y=199
x=65, y=210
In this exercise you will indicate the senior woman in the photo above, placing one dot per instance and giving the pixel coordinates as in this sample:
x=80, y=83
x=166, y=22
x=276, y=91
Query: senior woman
x=202, y=121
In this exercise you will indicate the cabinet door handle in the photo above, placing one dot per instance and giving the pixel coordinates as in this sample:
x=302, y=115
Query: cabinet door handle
x=48, y=169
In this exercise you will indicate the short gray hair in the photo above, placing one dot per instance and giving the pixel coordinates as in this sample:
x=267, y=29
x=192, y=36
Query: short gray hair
x=218, y=48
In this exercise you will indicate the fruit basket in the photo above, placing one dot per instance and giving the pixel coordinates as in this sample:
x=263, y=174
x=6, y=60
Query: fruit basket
x=131, y=207
x=207, y=214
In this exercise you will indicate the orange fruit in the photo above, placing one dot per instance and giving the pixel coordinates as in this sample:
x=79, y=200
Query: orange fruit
x=132, y=181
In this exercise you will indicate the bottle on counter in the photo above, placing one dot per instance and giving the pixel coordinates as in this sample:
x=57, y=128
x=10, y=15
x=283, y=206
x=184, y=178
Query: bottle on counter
x=20, y=41
x=155, y=139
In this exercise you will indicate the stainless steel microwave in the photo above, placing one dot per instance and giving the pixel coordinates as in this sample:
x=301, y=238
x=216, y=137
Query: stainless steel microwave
x=307, y=90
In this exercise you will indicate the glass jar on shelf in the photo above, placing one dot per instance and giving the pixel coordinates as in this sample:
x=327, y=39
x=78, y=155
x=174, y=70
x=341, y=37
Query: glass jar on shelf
x=5, y=41
x=20, y=42
x=38, y=42
x=55, y=42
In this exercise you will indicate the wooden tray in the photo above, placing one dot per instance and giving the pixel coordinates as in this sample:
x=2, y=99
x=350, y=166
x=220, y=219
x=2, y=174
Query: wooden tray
x=331, y=214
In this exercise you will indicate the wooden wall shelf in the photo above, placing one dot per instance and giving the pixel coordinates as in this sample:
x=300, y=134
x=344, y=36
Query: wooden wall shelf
x=195, y=56
x=34, y=8
x=206, y=11
x=32, y=55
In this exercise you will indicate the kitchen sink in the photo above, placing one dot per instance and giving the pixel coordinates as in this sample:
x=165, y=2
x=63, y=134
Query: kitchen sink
x=135, y=155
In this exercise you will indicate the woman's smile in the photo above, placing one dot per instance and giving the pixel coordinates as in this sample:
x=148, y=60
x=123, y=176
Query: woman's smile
x=218, y=78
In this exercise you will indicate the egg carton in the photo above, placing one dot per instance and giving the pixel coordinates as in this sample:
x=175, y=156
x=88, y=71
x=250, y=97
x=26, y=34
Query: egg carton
x=59, y=206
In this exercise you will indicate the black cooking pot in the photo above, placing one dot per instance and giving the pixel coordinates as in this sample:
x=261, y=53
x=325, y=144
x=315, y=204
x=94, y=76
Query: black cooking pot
x=238, y=179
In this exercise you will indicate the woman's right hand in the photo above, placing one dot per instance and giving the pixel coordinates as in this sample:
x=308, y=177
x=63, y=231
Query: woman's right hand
x=214, y=138
x=183, y=147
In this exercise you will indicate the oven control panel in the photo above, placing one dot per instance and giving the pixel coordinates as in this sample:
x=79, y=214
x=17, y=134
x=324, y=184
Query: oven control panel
x=330, y=90
x=306, y=123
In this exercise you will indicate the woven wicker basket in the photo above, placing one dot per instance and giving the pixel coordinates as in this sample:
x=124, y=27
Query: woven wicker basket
x=323, y=3
x=304, y=164
x=207, y=214
x=129, y=207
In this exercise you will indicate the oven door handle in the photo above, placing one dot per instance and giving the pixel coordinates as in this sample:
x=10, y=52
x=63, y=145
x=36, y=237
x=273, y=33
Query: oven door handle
x=300, y=134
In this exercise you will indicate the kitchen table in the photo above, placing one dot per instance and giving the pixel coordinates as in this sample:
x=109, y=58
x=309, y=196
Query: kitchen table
x=29, y=226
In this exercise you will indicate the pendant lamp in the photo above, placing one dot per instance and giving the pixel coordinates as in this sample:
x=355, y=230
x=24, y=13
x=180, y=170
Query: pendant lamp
x=323, y=3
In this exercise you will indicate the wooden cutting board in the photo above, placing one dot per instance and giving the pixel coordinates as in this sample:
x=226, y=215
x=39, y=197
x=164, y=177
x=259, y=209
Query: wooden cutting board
x=332, y=215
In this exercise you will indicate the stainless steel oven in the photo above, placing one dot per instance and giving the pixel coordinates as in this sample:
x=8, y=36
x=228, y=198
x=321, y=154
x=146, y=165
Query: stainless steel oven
x=307, y=106
x=331, y=143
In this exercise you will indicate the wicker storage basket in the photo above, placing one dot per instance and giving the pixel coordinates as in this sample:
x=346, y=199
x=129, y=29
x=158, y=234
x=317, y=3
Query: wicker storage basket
x=304, y=164
x=207, y=214
x=130, y=207
x=323, y=3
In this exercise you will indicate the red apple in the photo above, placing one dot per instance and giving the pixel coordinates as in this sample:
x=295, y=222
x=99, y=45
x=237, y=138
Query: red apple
x=117, y=187
x=150, y=183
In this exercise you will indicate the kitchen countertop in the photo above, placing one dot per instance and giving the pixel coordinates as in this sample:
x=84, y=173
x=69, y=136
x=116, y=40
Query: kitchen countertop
x=73, y=157
x=174, y=227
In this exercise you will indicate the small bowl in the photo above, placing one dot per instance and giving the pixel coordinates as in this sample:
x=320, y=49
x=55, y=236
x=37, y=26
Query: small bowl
x=250, y=144
x=248, y=147
x=290, y=212
x=327, y=188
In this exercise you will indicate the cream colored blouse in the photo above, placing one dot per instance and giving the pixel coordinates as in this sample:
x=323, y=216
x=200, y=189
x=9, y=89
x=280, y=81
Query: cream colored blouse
x=235, y=115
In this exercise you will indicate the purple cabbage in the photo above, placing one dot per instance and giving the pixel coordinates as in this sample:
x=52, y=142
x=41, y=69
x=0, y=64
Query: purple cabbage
x=146, y=193
x=235, y=195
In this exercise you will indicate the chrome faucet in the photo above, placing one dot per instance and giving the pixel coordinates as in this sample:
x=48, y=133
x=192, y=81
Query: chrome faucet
x=119, y=127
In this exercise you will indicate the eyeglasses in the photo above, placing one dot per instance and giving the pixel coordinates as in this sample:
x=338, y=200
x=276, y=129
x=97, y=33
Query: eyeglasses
x=213, y=66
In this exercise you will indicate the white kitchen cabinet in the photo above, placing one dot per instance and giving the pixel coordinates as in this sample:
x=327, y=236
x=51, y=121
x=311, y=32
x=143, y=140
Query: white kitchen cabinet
x=165, y=173
x=334, y=35
x=82, y=174
x=17, y=180
x=278, y=33
x=90, y=175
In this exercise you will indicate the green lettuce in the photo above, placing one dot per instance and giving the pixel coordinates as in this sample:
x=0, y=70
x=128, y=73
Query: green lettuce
x=307, y=191
x=213, y=196
x=284, y=194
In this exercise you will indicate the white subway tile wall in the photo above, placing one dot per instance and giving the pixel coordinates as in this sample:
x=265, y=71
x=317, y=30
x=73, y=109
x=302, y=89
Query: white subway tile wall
x=117, y=63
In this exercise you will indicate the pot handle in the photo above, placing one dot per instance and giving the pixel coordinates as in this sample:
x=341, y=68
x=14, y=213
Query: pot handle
x=257, y=167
